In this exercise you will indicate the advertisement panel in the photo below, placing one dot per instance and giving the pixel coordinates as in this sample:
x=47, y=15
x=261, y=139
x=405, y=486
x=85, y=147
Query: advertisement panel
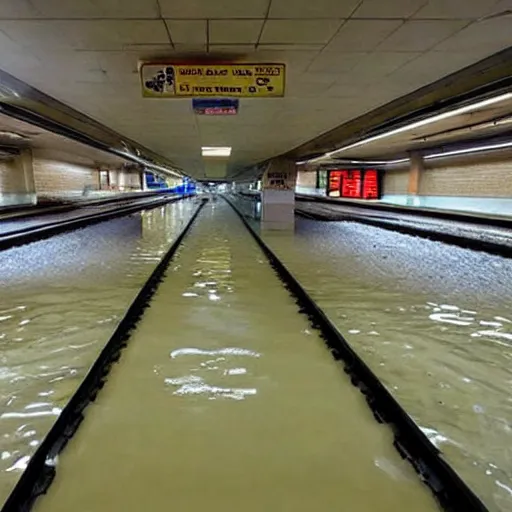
x=275, y=180
x=212, y=80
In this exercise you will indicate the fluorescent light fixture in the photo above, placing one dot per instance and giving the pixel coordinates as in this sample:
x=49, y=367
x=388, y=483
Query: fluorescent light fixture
x=367, y=162
x=145, y=163
x=476, y=149
x=312, y=160
x=429, y=120
x=398, y=161
x=434, y=119
x=12, y=135
x=379, y=162
x=215, y=151
x=434, y=156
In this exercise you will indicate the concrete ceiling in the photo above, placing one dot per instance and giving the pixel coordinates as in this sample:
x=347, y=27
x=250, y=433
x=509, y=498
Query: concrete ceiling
x=52, y=145
x=344, y=58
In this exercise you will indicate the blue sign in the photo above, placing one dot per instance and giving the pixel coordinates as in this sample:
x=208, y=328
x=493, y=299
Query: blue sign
x=215, y=106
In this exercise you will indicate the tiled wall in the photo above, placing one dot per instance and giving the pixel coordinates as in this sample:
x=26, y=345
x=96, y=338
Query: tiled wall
x=38, y=172
x=395, y=182
x=10, y=180
x=126, y=180
x=482, y=185
x=479, y=179
x=56, y=178
x=306, y=180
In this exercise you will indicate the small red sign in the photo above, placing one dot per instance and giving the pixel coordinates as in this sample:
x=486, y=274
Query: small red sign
x=217, y=111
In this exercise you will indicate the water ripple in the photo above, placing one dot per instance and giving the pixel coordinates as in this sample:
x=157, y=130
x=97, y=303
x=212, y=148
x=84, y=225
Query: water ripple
x=60, y=312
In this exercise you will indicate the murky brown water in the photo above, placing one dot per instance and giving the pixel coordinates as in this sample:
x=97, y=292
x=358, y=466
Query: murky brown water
x=60, y=301
x=434, y=322
x=225, y=399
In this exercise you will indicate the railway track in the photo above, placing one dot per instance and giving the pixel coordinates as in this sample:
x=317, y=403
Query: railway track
x=449, y=489
x=39, y=231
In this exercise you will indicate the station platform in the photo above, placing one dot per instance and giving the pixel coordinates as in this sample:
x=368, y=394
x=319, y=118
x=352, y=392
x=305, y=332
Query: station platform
x=379, y=204
x=487, y=233
x=50, y=205
x=30, y=227
x=477, y=232
x=13, y=224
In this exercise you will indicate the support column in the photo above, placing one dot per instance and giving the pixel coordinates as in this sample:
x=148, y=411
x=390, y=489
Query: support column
x=17, y=185
x=113, y=179
x=26, y=167
x=278, y=195
x=415, y=172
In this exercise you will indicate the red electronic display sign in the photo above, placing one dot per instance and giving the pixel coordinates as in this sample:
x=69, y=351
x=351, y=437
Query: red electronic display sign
x=334, y=183
x=354, y=184
x=351, y=186
x=371, y=185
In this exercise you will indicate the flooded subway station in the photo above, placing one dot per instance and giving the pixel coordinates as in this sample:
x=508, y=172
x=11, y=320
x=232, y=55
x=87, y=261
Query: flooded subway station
x=255, y=255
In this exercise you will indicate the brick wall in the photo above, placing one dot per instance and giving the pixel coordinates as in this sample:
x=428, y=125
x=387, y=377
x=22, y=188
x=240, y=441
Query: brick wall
x=306, y=179
x=125, y=181
x=11, y=178
x=395, y=182
x=129, y=180
x=468, y=179
x=54, y=177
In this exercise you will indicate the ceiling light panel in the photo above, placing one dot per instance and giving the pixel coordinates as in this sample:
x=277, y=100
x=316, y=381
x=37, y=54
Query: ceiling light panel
x=216, y=151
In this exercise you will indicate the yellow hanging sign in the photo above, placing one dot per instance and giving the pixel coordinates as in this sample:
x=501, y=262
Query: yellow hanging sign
x=212, y=80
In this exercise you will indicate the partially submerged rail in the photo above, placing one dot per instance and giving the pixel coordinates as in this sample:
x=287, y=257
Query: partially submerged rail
x=450, y=490
x=452, y=493
x=62, y=205
x=35, y=233
x=41, y=469
x=477, y=242
x=411, y=223
x=451, y=215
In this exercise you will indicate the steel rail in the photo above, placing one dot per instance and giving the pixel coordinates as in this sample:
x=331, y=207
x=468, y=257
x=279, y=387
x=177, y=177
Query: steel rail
x=390, y=224
x=35, y=233
x=14, y=213
x=450, y=490
x=465, y=242
x=42, y=466
x=467, y=217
